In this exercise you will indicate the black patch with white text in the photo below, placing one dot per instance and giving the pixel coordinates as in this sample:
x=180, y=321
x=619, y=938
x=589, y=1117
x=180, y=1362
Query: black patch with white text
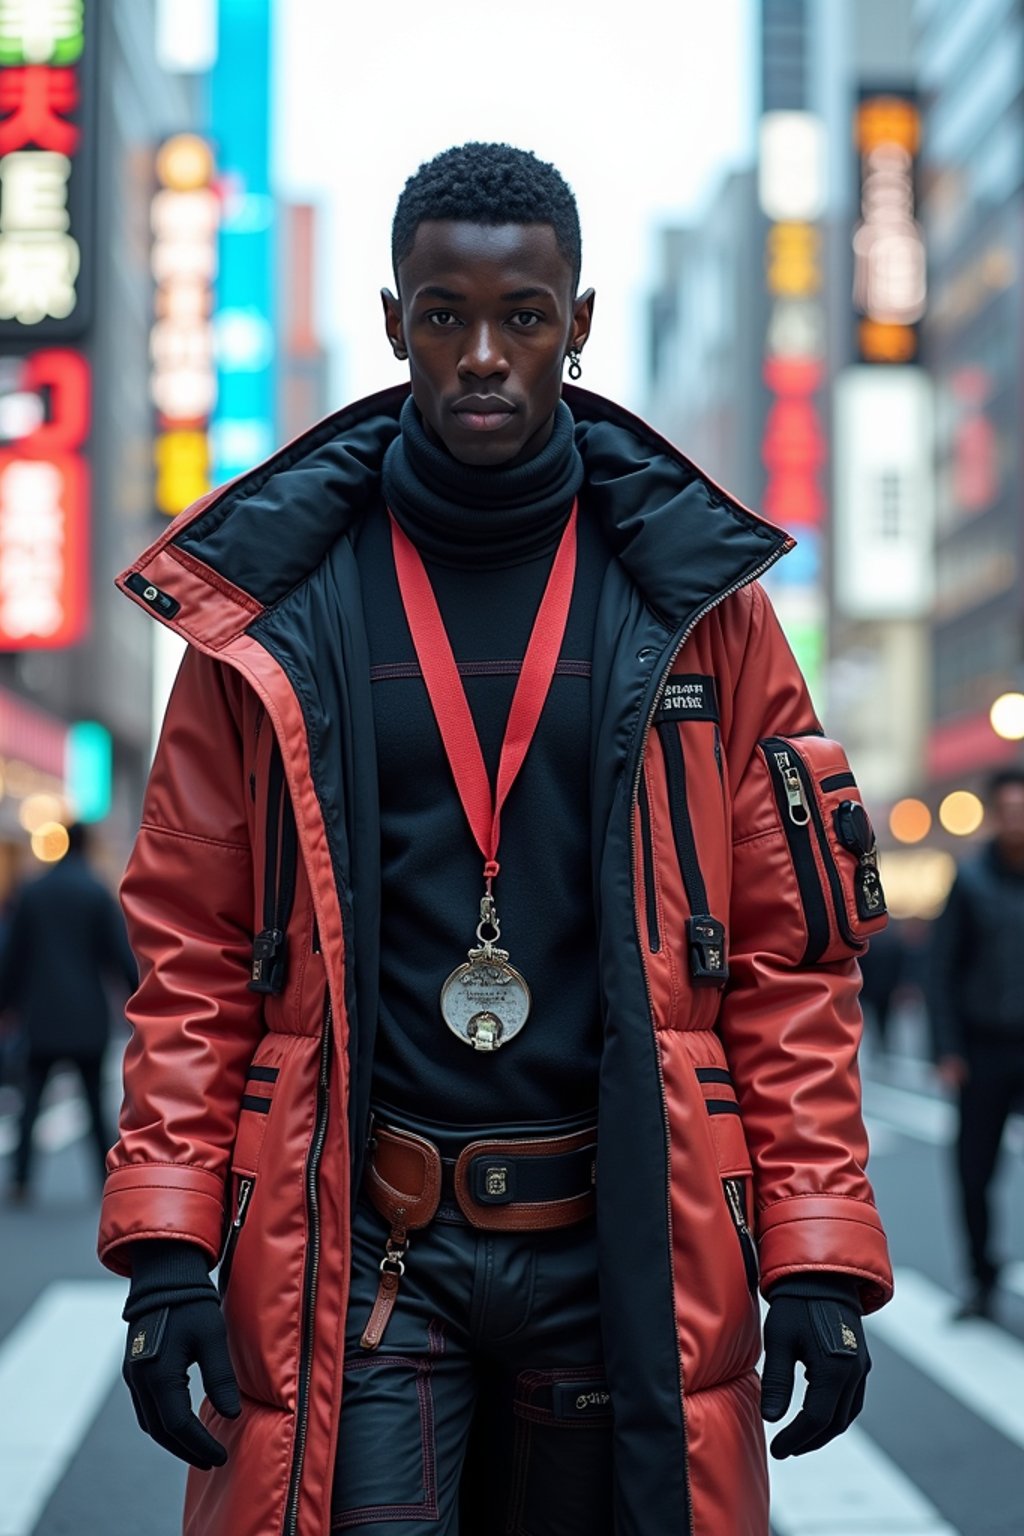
x=688, y=697
x=580, y=1400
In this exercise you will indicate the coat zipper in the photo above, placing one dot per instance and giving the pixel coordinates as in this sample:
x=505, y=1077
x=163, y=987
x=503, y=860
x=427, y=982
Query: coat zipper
x=246, y=1185
x=701, y=613
x=311, y=1278
x=270, y=946
x=734, y=1198
x=650, y=894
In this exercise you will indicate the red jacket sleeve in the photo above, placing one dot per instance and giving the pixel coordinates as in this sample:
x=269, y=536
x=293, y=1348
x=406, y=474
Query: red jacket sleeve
x=791, y=1029
x=187, y=900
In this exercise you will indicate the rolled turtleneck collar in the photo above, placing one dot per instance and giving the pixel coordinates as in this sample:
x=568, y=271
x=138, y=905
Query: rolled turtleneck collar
x=461, y=514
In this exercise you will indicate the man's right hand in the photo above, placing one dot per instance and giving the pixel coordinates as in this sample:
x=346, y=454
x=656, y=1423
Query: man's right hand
x=161, y=1347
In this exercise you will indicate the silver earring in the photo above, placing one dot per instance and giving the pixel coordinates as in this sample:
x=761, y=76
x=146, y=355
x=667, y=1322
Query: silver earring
x=575, y=366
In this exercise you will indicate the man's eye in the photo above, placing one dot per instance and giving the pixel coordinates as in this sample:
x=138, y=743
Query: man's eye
x=442, y=317
x=526, y=318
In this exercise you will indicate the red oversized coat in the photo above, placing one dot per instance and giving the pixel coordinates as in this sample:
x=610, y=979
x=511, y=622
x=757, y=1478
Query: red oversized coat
x=730, y=1121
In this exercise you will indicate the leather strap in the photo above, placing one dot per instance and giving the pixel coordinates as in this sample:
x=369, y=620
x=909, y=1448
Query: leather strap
x=387, y=1295
x=403, y=1180
x=488, y=1169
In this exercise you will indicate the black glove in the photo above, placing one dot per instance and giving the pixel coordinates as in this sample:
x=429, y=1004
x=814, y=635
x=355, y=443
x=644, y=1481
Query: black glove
x=814, y=1318
x=174, y=1320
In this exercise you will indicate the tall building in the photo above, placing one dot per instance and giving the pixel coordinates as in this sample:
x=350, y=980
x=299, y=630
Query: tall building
x=84, y=100
x=704, y=325
x=971, y=63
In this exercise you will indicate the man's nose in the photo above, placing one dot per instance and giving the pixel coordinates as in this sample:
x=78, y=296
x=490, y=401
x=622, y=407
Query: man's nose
x=483, y=355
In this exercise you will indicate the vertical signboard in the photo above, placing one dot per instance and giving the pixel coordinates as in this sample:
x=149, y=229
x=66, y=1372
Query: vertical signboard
x=885, y=488
x=46, y=281
x=185, y=218
x=794, y=446
x=243, y=422
x=889, y=266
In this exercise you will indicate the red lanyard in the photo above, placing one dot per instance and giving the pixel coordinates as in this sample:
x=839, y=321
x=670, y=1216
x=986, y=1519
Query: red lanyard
x=448, y=697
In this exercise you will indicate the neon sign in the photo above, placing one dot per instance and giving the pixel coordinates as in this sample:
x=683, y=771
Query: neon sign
x=185, y=220
x=44, y=504
x=794, y=447
x=45, y=150
x=890, y=276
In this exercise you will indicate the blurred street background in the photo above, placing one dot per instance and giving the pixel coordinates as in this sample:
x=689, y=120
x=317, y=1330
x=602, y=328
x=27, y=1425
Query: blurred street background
x=805, y=223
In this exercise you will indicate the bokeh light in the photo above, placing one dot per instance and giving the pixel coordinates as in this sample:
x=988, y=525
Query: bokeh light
x=961, y=813
x=1007, y=716
x=38, y=810
x=50, y=842
x=910, y=821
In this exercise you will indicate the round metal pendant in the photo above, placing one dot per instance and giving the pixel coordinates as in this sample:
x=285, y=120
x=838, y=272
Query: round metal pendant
x=485, y=1002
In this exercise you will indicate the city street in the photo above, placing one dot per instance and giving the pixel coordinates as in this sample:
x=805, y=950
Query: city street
x=939, y=1450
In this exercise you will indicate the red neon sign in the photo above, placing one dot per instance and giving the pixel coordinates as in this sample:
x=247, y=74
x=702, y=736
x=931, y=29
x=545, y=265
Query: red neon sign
x=794, y=447
x=44, y=512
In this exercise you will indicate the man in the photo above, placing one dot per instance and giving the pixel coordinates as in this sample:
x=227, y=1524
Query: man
x=977, y=1012
x=485, y=1118
x=65, y=941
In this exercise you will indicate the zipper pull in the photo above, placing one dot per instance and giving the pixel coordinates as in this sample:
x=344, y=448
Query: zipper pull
x=245, y=1188
x=732, y=1194
x=799, y=810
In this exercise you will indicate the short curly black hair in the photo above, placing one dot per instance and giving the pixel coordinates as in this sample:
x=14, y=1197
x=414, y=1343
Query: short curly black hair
x=488, y=184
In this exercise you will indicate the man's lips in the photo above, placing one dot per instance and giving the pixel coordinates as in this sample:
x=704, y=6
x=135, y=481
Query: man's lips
x=481, y=414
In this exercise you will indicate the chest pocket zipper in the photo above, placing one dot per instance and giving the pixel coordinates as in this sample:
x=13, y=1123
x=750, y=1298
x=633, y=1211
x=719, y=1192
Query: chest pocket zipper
x=705, y=934
x=270, y=946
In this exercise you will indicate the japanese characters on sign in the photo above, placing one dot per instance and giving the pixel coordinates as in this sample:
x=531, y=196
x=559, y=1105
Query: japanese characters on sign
x=45, y=163
x=44, y=499
x=185, y=220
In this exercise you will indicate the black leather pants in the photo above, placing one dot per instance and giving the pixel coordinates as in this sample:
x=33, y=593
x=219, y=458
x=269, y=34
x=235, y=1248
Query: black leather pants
x=485, y=1409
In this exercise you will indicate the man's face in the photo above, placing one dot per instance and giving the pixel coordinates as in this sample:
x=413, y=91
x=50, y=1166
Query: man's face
x=486, y=316
x=1006, y=814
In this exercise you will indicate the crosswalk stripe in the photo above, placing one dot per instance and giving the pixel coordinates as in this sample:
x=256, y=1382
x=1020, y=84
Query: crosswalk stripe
x=976, y=1362
x=56, y=1367
x=849, y=1488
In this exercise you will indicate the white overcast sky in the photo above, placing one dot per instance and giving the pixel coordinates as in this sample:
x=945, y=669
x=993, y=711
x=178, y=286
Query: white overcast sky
x=642, y=104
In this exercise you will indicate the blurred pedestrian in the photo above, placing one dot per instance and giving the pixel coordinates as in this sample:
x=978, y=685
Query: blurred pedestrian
x=64, y=939
x=977, y=1012
x=882, y=972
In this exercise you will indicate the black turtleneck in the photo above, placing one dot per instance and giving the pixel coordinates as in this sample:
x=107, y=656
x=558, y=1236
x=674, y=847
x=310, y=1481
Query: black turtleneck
x=487, y=537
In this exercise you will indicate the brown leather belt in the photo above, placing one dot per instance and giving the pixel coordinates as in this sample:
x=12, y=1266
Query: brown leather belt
x=499, y=1185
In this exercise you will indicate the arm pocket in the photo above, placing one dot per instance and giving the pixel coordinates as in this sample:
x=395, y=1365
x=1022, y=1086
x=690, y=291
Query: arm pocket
x=831, y=845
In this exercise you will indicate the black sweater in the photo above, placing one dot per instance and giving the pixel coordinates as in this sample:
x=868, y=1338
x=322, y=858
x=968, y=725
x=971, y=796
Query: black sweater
x=488, y=538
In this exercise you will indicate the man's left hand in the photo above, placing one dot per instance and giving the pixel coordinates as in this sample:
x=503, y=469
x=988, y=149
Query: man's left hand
x=825, y=1332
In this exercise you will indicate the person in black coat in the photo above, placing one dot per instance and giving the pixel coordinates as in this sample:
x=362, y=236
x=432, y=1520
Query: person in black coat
x=65, y=938
x=977, y=1013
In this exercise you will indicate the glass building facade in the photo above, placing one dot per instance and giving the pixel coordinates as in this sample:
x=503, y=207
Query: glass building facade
x=971, y=73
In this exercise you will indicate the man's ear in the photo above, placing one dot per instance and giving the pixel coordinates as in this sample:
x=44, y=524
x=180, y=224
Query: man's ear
x=582, y=319
x=393, y=323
